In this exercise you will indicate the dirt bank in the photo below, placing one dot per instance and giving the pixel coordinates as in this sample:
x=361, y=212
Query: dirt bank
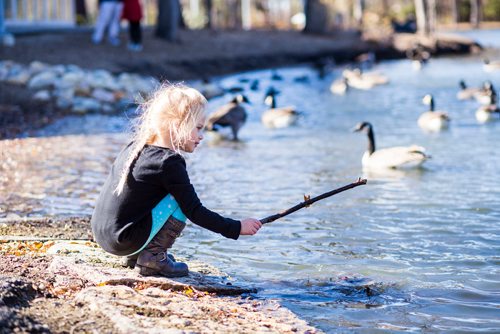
x=73, y=286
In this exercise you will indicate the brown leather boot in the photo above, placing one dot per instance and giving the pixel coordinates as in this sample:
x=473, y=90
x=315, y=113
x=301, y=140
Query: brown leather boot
x=131, y=260
x=154, y=260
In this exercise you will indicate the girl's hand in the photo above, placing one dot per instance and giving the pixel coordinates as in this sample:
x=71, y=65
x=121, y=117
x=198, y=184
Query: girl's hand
x=250, y=226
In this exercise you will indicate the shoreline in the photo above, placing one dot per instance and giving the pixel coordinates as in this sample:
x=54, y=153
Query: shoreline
x=56, y=282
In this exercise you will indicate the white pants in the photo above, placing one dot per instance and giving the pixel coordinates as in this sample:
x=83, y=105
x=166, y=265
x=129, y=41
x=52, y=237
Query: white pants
x=110, y=13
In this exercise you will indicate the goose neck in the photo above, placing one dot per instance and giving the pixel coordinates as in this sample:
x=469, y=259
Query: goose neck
x=431, y=105
x=371, y=140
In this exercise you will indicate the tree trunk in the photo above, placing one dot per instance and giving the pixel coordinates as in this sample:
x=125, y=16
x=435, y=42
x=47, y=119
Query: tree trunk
x=431, y=15
x=209, y=11
x=316, y=17
x=357, y=12
x=454, y=12
x=421, y=14
x=167, y=25
x=476, y=10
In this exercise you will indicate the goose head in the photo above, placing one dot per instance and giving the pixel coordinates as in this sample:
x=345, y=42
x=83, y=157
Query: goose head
x=240, y=98
x=270, y=98
x=462, y=85
x=429, y=101
x=487, y=85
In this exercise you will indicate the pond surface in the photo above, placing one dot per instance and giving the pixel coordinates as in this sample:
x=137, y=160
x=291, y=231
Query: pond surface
x=415, y=251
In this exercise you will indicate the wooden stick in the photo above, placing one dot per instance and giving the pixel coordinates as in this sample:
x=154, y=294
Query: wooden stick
x=308, y=202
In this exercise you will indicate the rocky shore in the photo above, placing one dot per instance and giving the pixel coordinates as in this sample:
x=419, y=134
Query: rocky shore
x=65, y=283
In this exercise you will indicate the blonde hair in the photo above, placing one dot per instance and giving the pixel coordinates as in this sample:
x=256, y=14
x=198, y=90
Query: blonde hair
x=172, y=108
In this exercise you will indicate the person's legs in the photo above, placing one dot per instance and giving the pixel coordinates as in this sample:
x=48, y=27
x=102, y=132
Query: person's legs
x=135, y=32
x=114, y=25
x=103, y=19
x=153, y=259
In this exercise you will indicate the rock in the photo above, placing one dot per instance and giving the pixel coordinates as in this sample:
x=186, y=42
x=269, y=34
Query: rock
x=46, y=79
x=101, y=79
x=42, y=95
x=82, y=105
x=64, y=97
x=37, y=67
x=103, y=95
x=18, y=75
x=70, y=79
x=202, y=277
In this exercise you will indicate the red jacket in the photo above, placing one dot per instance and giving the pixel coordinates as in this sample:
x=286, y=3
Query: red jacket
x=132, y=10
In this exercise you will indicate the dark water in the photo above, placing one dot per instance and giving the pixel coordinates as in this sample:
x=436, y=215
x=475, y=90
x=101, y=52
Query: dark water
x=415, y=251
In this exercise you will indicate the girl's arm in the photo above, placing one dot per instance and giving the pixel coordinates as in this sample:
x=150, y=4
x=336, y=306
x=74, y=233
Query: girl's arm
x=178, y=184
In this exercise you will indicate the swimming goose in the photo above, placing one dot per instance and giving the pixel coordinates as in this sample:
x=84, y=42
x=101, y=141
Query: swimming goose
x=277, y=117
x=210, y=90
x=364, y=80
x=490, y=66
x=392, y=157
x=486, y=93
x=276, y=76
x=339, y=86
x=467, y=93
x=232, y=114
x=433, y=120
x=489, y=112
x=418, y=56
x=254, y=85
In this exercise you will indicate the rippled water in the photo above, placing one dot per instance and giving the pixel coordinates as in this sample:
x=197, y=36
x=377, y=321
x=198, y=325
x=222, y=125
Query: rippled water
x=414, y=251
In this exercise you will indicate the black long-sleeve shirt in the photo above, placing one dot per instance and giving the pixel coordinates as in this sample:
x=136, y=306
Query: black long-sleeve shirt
x=122, y=224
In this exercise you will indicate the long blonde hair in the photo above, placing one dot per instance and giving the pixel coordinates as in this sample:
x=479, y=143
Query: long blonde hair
x=172, y=108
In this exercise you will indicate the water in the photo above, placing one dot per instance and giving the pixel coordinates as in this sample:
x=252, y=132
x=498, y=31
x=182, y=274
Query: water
x=414, y=251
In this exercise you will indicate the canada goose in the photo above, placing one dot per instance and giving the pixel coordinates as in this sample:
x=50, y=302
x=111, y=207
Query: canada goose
x=254, y=85
x=231, y=114
x=490, y=66
x=339, y=86
x=302, y=79
x=486, y=94
x=210, y=90
x=277, y=117
x=467, y=93
x=392, y=157
x=364, y=80
x=489, y=112
x=418, y=56
x=324, y=66
x=432, y=120
x=276, y=76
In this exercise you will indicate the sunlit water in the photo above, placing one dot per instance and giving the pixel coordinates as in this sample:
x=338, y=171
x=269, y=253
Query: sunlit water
x=425, y=242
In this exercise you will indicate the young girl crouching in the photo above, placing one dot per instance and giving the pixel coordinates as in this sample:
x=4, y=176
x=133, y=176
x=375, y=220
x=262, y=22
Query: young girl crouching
x=147, y=196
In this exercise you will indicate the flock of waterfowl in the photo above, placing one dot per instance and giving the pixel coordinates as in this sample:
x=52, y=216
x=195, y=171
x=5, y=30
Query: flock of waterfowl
x=234, y=116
